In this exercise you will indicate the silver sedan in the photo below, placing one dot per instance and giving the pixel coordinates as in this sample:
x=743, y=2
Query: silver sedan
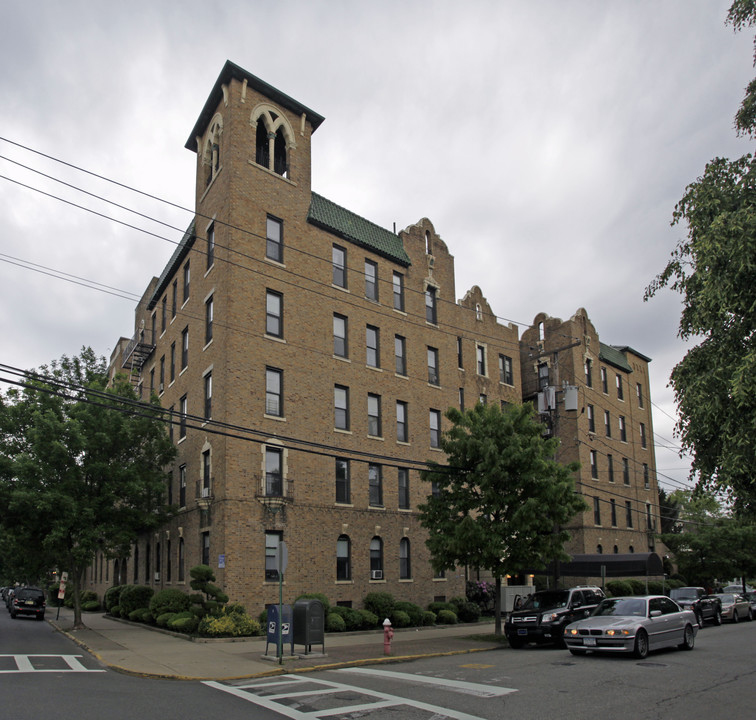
x=635, y=624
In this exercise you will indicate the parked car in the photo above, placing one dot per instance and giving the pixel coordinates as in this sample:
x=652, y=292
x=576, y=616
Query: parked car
x=544, y=615
x=735, y=607
x=751, y=597
x=737, y=588
x=635, y=624
x=705, y=606
x=28, y=601
x=9, y=598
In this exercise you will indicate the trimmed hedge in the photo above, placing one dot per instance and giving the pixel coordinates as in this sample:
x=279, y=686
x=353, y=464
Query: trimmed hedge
x=380, y=603
x=169, y=600
x=334, y=623
x=447, y=617
x=415, y=612
x=112, y=597
x=134, y=597
x=400, y=619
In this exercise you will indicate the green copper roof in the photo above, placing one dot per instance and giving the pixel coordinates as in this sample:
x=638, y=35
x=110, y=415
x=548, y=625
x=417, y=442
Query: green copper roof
x=355, y=229
x=614, y=356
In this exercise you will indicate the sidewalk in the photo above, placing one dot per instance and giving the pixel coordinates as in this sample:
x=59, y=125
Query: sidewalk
x=139, y=650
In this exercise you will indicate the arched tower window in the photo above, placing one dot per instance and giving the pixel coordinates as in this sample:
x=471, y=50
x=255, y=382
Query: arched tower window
x=274, y=139
x=280, y=161
x=211, y=153
x=262, y=146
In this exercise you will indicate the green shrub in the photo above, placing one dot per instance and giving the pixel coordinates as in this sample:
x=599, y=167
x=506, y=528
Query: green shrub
x=639, y=588
x=351, y=617
x=447, y=617
x=619, y=588
x=468, y=612
x=112, y=597
x=169, y=600
x=163, y=620
x=134, y=597
x=429, y=618
x=436, y=607
x=335, y=623
x=88, y=596
x=415, y=612
x=316, y=596
x=262, y=618
x=380, y=603
x=655, y=587
x=90, y=606
x=400, y=619
x=369, y=619
x=185, y=622
x=136, y=615
x=115, y=611
x=236, y=623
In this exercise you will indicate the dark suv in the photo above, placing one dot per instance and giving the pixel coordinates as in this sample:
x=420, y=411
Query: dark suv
x=706, y=607
x=544, y=615
x=28, y=601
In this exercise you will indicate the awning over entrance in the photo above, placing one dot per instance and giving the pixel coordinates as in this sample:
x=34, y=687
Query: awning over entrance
x=631, y=565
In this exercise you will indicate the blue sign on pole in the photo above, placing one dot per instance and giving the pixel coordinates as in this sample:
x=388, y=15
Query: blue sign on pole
x=287, y=629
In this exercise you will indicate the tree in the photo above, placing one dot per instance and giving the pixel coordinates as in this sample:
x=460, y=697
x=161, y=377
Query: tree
x=501, y=500
x=82, y=466
x=669, y=509
x=714, y=269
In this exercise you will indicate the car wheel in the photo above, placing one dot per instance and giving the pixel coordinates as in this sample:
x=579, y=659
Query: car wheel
x=735, y=617
x=718, y=617
x=641, y=644
x=41, y=616
x=689, y=638
x=575, y=651
x=13, y=615
x=750, y=614
x=699, y=619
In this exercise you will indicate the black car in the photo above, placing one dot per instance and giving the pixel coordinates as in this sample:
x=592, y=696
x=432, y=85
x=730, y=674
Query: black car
x=544, y=615
x=28, y=601
x=705, y=606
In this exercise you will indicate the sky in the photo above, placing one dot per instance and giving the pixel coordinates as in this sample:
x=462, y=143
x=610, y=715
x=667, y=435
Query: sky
x=547, y=141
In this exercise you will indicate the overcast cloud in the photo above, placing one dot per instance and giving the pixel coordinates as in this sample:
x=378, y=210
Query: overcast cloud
x=548, y=142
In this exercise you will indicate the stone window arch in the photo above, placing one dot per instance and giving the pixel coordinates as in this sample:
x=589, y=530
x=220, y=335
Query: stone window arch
x=211, y=150
x=274, y=139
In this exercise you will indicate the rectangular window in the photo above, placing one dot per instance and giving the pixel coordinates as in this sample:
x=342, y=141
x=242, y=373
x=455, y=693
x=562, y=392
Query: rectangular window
x=208, y=396
x=208, y=320
x=272, y=541
x=341, y=407
x=339, y=266
x=174, y=298
x=398, y=291
x=343, y=489
x=181, y=563
x=153, y=318
x=274, y=239
x=610, y=468
x=182, y=417
x=462, y=399
x=273, y=314
x=459, y=353
x=343, y=565
x=205, y=473
x=402, y=434
x=591, y=419
x=435, y=428
x=163, y=314
x=340, y=340
x=431, y=314
x=607, y=423
x=505, y=370
x=589, y=373
x=182, y=486
x=210, y=246
x=629, y=514
x=400, y=354
x=187, y=279
x=374, y=415
x=625, y=471
x=433, y=378
x=371, y=280
x=480, y=358
x=622, y=428
x=639, y=393
x=543, y=376
x=372, y=346
x=594, y=465
x=184, y=348
x=604, y=381
x=205, y=540
x=614, y=512
x=404, y=491
x=273, y=473
x=649, y=517
x=620, y=391
x=596, y=511
x=646, y=477
x=274, y=392
x=162, y=373
x=483, y=399
x=172, y=369
x=375, y=484
x=643, y=435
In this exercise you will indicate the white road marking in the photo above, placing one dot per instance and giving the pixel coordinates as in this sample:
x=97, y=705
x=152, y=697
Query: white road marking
x=454, y=685
x=25, y=665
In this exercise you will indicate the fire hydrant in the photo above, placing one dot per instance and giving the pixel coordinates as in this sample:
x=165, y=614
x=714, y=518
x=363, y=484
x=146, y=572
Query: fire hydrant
x=388, y=633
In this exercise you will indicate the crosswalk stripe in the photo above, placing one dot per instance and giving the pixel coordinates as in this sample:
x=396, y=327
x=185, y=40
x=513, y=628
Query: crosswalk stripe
x=24, y=664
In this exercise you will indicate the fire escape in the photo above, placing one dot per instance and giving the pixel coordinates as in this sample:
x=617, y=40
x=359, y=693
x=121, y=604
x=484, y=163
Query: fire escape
x=135, y=354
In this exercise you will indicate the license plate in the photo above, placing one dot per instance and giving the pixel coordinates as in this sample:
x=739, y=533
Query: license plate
x=589, y=642
x=522, y=631
x=30, y=602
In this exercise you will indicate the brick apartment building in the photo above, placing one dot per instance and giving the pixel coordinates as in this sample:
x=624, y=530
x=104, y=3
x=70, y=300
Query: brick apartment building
x=308, y=356
x=595, y=398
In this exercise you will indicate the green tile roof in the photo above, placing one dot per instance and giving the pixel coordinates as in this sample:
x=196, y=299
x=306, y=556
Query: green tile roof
x=614, y=356
x=178, y=255
x=355, y=229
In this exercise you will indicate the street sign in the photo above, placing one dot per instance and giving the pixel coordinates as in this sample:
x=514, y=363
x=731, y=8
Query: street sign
x=282, y=557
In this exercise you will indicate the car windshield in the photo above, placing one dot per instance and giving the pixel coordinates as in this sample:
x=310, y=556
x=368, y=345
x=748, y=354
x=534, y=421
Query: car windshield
x=727, y=598
x=28, y=594
x=548, y=600
x=684, y=594
x=621, y=606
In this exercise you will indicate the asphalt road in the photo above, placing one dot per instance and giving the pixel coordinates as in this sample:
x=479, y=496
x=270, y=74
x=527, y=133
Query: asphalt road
x=43, y=674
